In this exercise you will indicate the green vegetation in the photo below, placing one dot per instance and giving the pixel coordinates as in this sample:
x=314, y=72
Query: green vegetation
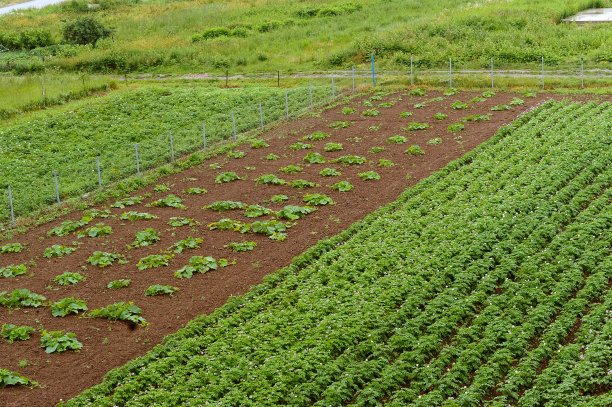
x=509, y=306
x=342, y=186
x=339, y=125
x=98, y=230
x=189, y=243
x=227, y=176
x=200, y=264
x=178, y=221
x=291, y=169
x=351, y=160
x=14, y=333
x=415, y=150
x=221, y=206
x=440, y=116
x=385, y=163
x=12, y=271
x=171, y=201
x=133, y=215
x=157, y=289
x=120, y=311
x=455, y=127
x=255, y=211
x=397, y=139
x=302, y=183
x=270, y=179
x=134, y=200
x=177, y=109
x=294, y=212
x=12, y=248
x=21, y=297
x=414, y=126
x=316, y=136
x=332, y=147
x=58, y=251
x=116, y=284
x=8, y=378
x=369, y=175
x=66, y=306
x=274, y=229
x=242, y=246
x=146, y=237
x=153, y=260
x=300, y=146
x=279, y=198
x=57, y=341
x=68, y=278
x=103, y=259
x=317, y=199
x=314, y=158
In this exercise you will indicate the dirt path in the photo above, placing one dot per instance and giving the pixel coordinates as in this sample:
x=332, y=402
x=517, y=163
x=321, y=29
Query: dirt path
x=110, y=344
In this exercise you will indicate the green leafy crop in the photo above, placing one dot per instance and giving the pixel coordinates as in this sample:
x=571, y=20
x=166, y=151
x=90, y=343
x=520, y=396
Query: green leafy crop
x=13, y=270
x=342, y=186
x=145, y=237
x=188, y=243
x=153, y=260
x=314, y=158
x=369, y=175
x=455, y=127
x=68, y=278
x=440, y=116
x=221, y=206
x=302, y=183
x=21, y=297
x=99, y=230
x=300, y=146
x=170, y=201
x=11, y=248
x=339, y=125
x=270, y=179
x=200, y=264
x=134, y=200
x=316, y=136
x=348, y=110
x=58, y=251
x=415, y=150
x=333, y=147
x=368, y=112
x=414, y=126
x=116, y=284
x=351, y=160
x=157, y=289
x=417, y=92
x=178, y=221
x=66, y=306
x=57, y=341
x=120, y=311
x=8, y=378
x=103, y=259
x=317, y=199
x=228, y=176
x=501, y=107
x=133, y=215
x=294, y=212
x=385, y=163
x=274, y=229
x=291, y=169
x=405, y=114
x=279, y=198
x=397, y=139
x=259, y=143
x=242, y=246
x=255, y=211
x=14, y=333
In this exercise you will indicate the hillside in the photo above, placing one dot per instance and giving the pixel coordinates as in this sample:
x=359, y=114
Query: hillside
x=250, y=36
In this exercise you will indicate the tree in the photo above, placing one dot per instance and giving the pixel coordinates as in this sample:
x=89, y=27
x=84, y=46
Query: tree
x=85, y=30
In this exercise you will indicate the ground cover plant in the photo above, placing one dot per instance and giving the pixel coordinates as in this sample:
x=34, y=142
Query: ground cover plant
x=500, y=295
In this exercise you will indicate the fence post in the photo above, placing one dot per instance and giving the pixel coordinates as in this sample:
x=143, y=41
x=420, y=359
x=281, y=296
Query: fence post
x=411, y=78
x=353, y=68
x=278, y=79
x=310, y=90
x=11, y=203
x=234, y=124
x=450, y=71
x=542, y=72
x=226, y=78
x=582, y=71
x=171, y=148
x=287, y=105
x=42, y=85
x=204, y=134
x=373, y=74
x=492, y=83
x=261, y=115
x=137, y=161
x=99, y=176
x=56, y=188
x=333, y=89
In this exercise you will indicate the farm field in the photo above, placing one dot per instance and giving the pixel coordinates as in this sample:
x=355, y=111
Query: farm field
x=69, y=142
x=251, y=36
x=398, y=137
x=488, y=283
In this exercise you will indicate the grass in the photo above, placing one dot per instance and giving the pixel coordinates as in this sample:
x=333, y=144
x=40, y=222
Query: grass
x=156, y=36
x=19, y=94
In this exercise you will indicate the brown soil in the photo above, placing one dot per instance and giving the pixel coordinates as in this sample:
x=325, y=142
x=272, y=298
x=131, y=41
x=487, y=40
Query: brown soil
x=110, y=344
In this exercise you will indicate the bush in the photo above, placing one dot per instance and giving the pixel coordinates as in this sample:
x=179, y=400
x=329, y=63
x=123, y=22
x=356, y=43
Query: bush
x=85, y=30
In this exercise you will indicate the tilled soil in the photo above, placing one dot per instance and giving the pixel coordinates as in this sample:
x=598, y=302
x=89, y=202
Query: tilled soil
x=109, y=344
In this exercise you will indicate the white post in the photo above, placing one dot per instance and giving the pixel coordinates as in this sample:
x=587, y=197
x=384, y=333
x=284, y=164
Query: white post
x=56, y=188
x=582, y=71
x=542, y=72
x=287, y=105
x=261, y=115
x=411, y=78
x=171, y=148
x=234, y=124
x=333, y=90
x=11, y=203
x=492, y=83
x=353, y=68
x=450, y=71
x=99, y=177
x=137, y=161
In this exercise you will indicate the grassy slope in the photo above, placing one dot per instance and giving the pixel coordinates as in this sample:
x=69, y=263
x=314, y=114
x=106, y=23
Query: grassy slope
x=156, y=36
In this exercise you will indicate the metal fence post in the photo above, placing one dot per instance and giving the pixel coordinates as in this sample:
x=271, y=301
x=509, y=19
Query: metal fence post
x=333, y=90
x=450, y=71
x=287, y=105
x=542, y=72
x=492, y=83
x=171, y=148
x=56, y=188
x=99, y=176
x=373, y=74
x=137, y=161
x=310, y=90
x=261, y=115
x=353, y=69
x=411, y=77
x=11, y=203
x=582, y=71
x=204, y=134
x=234, y=124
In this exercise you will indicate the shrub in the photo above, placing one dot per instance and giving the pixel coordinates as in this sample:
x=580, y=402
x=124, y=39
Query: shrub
x=85, y=30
